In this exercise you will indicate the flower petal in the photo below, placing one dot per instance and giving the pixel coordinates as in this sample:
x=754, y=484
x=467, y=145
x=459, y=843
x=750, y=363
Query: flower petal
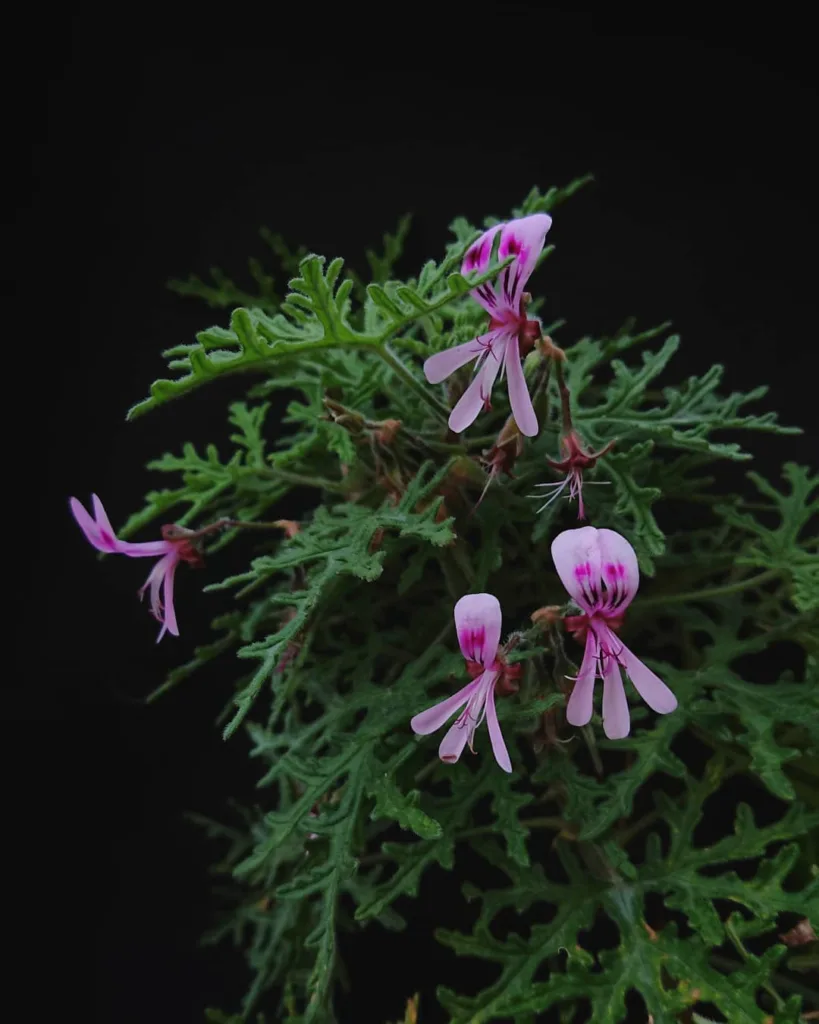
x=581, y=702
x=616, y=723
x=477, y=259
x=88, y=526
x=106, y=530
x=576, y=554
x=621, y=573
x=433, y=718
x=523, y=238
x=495, y=734
x=479, y=391
x=169, y=619
x=145, y=548
x=154, y=581
x=519, y=399
x=478, y=623
x=453, y=743
x=442, y=364
x=650, y=687
x=100, y=533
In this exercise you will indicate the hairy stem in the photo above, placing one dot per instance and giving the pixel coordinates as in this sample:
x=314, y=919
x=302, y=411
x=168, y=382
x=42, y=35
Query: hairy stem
x=732, y=934
x=588, y=737
x=721, y=591
x=558, y=824
x=565, y=399
x=412, y=382
x=789, y=984
x=301, y=479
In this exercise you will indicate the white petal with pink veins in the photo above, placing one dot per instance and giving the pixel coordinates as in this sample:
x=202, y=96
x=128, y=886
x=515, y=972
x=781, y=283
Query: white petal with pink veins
x=479, y=391
x=478, y=623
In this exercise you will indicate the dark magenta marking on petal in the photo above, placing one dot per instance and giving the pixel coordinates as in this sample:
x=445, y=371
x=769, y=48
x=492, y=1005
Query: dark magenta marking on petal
x=615, y=590
x=475, y=256
x=486, y=344
x=510, y=246
x=514, y=273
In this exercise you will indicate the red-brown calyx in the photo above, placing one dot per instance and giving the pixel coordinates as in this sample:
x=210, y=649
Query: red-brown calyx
x=507, y=681
x=576, y=459
x=503, y=454
x=578, y=625
x=501, y=457
x=188, y=543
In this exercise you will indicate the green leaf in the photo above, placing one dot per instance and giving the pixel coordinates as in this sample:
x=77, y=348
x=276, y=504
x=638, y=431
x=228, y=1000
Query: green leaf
x=390, y=802
x=671, y=974
x=683, y=420
x=634, y=502
x=314, y=317
x=225, y=294
x=779, y=547
x=382, y=266
x=201, y=655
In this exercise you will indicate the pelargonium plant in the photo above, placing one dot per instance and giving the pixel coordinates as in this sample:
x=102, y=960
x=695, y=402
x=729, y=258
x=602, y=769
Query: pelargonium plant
x=615, y=872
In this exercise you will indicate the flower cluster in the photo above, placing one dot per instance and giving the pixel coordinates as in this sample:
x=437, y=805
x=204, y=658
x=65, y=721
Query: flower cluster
x=599, y=570
x=598, y=567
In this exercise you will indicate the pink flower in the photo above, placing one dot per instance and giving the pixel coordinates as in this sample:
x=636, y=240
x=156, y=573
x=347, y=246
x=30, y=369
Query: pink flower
x=575, y=461
x=599, y=569
x=478, y=622
x=176, y=546
x=511, y=334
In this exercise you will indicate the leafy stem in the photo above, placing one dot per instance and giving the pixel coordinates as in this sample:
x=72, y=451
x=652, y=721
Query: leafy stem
x=790, y=984
x=301, y=479
x=557, y=824
x=733, y=935
x=412, y=382
x=708, y=593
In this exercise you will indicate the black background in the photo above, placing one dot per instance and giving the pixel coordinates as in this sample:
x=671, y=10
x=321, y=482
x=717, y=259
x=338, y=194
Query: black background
x=160, y=149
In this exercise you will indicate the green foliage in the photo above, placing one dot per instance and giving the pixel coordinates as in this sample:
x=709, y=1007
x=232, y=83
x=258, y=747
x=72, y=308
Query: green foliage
x=342, y=627
x=779, y=548
x=643, y=955
x=316, y=315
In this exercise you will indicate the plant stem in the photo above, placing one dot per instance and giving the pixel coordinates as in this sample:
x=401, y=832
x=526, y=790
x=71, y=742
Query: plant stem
x=743, y=952
x=588, y=736
x=558, y=824
x=247, y=524
x=424, y=393
x=782, y=981
x=721, y=591
x=632, y=830
x=565, y=401
x=300, y=479
x=480, y=442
